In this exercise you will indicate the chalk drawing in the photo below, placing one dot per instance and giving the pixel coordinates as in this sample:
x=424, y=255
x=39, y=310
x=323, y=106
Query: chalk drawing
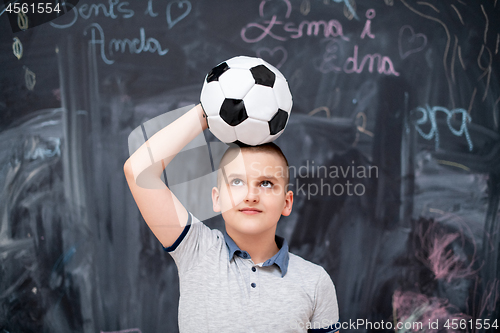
x=22, y=21
x=305, y=7
x=130, y=330
x=29, y=78
x=263, y=51
x=414, y=42
x=180, y=4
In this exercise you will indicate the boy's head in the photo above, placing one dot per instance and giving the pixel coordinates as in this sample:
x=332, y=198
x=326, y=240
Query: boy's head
x=233, y=151
x=252, y=186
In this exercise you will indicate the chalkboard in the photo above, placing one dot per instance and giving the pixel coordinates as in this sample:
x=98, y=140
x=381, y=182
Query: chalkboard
x=393, y=143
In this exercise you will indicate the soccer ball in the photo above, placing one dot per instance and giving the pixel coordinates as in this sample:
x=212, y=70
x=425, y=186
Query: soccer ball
x=246, y=100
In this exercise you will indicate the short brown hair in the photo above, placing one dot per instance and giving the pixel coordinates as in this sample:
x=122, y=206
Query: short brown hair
x=269, y=147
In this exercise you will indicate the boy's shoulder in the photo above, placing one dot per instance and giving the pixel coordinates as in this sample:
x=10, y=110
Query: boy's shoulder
x=299, y=265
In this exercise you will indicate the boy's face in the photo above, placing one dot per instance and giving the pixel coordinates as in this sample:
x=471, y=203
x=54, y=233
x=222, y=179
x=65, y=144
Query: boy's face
x=252, y=194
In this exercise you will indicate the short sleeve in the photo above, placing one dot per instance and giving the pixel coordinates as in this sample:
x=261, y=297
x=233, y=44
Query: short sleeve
x=326, y=310
x=193, y=244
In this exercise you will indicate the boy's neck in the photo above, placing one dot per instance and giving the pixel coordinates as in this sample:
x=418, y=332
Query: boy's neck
x=260, y=247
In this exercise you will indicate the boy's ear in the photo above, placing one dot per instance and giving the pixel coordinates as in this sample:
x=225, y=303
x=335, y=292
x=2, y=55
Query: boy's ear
x=288, y=204
x=215, y=200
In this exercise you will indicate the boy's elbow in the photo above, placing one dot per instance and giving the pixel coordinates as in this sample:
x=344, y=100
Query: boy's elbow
x=127, y=168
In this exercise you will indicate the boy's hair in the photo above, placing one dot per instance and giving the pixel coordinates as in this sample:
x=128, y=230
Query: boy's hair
x=270, y=147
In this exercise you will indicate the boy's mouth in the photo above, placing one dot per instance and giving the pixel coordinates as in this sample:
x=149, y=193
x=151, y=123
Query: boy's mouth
x=250, y=211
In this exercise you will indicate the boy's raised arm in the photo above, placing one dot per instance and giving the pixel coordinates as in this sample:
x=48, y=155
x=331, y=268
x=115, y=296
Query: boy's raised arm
x=162, y=211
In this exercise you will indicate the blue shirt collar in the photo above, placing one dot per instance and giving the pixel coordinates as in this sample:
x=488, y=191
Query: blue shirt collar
x=280, y=259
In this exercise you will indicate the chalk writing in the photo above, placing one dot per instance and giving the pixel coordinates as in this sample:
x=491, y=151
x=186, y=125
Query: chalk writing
x=330, y=61
x=73, y=20
x=17, y=48
x=413, y=43
x=384, y=64
x=117, y=9
x=332, y=31
x=134, y=46
x=429, y=115
x=266, y=31
x=370, y=14
x=149, y=11
x=255, y=32
x=332, y=28
x=137, y=46
x=86, y=11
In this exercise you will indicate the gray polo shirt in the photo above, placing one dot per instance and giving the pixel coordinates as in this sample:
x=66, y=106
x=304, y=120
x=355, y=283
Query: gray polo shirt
x=223, y=290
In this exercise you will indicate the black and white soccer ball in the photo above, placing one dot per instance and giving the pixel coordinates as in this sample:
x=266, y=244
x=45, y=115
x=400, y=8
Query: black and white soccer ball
x=246, y=100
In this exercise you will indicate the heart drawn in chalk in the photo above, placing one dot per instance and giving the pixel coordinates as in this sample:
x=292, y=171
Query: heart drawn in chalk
x=275, y=57
x=413, y=42
x=180, y=5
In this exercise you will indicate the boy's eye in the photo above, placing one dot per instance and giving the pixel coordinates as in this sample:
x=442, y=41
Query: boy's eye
x=266, y=183
x=236, y=182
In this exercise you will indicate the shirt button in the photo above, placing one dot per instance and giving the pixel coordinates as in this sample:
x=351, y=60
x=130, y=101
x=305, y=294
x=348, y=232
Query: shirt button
x=254, y=269
x=253, y=285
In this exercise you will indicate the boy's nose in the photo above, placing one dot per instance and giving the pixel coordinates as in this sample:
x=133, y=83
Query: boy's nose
x=253, y=194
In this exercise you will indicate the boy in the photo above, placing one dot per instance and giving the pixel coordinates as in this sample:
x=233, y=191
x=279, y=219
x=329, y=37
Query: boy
x=244, y=280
